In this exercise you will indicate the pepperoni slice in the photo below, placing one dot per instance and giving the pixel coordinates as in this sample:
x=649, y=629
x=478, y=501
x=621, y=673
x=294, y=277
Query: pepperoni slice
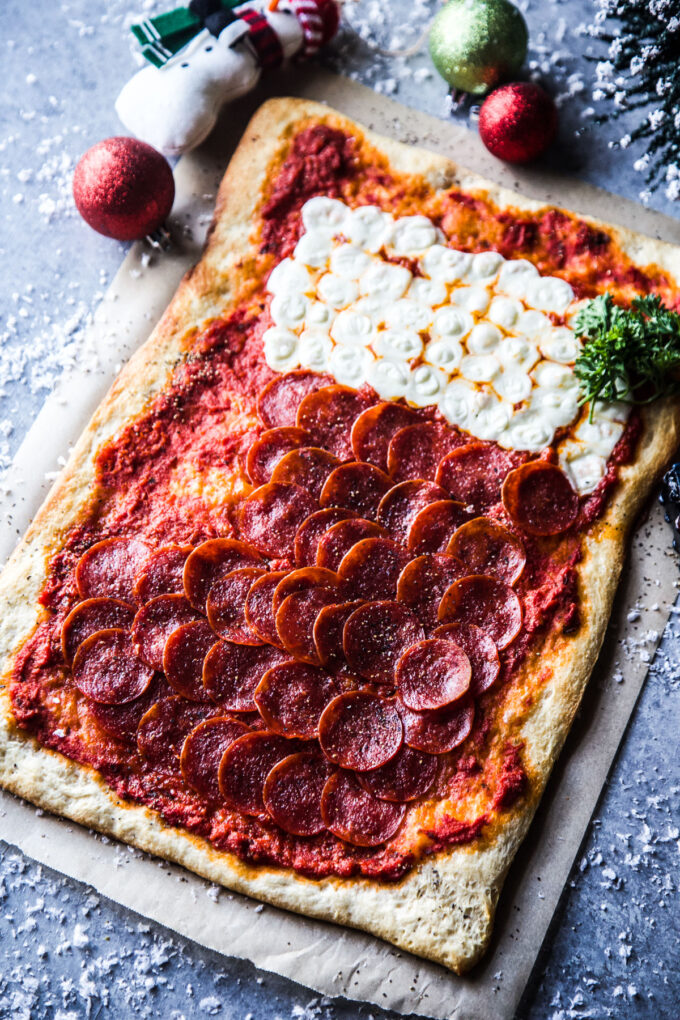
x=106, y=668
x=245, y=766
x=212, y=560
x=432, y=527
x=481, y=651
x=360, y=730
x=121, y=721
x=90, y=616
x=110, y=567
x=329, y=414
x=308, y=467
x=358, y=486
x=304, y=579
x=163, y=729
x=226, y=606
x=311, y=531
x=163, y=573
x=371, y=569
x=341, y=537
x=267, y=451
x=279, y=401
x=290, y=698
x=295, y=621
x=485, y=547
x=423, y=581
x=328, y=631
x=355, y=815
x=271, y=515
x=202, y=753
x=401, y=505
x=487, y=602
x=539, y=498
x=292, y=793
x=474, y=474
x=408, y=776
x=155, y=622
x=232, y=672
x=415, y=451
x=374, y=428
x=433, y=674
x=438, y=732
x=259, y=608
x=183, y=658
x=375, y=637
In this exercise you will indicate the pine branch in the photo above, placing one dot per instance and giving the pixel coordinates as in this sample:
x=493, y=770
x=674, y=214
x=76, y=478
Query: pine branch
x=638, y=65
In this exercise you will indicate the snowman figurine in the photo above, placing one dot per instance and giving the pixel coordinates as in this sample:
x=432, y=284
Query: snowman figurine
x=203, y=56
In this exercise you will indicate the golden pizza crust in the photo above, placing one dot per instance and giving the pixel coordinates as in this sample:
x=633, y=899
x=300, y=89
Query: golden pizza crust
x=443, y=910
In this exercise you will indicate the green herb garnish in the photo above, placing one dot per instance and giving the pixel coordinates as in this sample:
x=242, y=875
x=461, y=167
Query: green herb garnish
x=630, y=354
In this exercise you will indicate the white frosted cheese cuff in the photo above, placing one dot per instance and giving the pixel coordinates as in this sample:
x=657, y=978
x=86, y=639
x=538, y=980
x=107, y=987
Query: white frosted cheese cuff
x=373, y=299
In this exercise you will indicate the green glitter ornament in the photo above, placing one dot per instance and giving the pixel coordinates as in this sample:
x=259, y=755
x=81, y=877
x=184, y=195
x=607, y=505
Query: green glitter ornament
x=475, y=44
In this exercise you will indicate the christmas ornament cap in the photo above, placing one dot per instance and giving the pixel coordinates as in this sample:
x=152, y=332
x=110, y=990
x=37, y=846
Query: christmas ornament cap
x=518, y=122
x=123, y=188
x=474, y=44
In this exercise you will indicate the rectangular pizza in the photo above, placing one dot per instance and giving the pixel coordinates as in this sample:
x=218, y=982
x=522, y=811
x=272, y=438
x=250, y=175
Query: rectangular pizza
x=312, y=606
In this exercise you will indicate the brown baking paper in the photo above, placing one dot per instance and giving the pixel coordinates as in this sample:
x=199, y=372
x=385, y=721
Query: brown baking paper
x=330, y=959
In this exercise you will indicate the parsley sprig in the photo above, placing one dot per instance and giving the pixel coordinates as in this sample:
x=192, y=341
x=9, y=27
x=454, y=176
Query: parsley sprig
x=630, y=354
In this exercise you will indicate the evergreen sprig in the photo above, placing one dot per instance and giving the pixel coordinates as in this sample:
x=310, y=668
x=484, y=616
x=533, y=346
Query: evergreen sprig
x=630, y=354
x=641, y=76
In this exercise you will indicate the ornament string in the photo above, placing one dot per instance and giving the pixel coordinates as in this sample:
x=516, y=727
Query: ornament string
x=382, y=51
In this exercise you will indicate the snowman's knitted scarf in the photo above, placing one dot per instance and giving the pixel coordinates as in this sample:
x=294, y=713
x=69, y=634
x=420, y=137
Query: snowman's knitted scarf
x=165, y=35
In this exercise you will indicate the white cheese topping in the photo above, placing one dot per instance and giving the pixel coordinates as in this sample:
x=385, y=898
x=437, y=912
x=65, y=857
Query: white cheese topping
x=385, y=281
x=469, y=333
x=281, y=349
x=398, y=344
x=413, y=235
x=389, y=379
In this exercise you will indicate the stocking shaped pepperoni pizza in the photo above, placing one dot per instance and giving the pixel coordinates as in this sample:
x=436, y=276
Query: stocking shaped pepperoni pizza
x=313, y=604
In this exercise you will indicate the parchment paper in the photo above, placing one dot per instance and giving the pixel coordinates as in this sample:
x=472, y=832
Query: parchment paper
x=333, y=960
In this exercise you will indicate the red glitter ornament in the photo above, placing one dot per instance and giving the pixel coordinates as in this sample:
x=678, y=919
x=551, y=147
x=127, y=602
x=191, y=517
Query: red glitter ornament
x=123, y=188
x=518, y=122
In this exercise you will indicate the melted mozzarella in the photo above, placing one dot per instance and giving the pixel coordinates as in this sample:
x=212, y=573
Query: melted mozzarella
x=349, y=364
x=337, y=291
x=480, y=367
x=314, y=349
x=445, y=264
x=398, y=344
x=505, y=312
x=349, y=262
x=289, y=310
x=413, y=235
x=324, y=214
x=368, y=227
x=451, y=323
x=389, y=379
x=407, y=314
x=472, y=299
x=426, y=385
x=290, y=277
x=428, y=292
x=281, y=349
x=470, y=334
x=352, y=328
x=314, y=249
x=385, y=281
x=446, y=353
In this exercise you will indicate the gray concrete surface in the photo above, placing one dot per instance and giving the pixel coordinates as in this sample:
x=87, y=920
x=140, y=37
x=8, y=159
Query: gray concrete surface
x=64, y=952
